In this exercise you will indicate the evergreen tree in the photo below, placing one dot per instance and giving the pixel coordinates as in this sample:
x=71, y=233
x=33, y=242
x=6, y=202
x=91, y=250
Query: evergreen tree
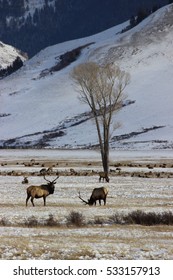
x=132, y=21
x=142, y=14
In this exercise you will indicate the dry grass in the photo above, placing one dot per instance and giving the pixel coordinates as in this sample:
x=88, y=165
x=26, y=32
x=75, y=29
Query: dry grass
x=77, y=219
x=142, y=218
x=106, y=242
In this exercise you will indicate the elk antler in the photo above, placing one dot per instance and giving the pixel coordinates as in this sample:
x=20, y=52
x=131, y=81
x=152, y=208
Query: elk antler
x=46, y=179
x=55, y=179
x=51, y=181
x=86, y=202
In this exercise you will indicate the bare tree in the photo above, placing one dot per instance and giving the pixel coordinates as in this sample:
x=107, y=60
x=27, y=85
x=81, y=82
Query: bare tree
x=102, y=88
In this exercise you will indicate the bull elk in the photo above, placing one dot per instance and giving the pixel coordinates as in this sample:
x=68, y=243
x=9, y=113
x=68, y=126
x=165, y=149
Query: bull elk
x=41, y=191
x=97, y=194
x=103, y=176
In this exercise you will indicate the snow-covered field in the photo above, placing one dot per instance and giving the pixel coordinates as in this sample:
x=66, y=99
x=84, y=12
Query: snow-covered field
x=92, y=241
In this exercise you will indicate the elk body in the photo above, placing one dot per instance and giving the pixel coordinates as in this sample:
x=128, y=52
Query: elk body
x=40, y=191
x=103, y=176
x=97, y=194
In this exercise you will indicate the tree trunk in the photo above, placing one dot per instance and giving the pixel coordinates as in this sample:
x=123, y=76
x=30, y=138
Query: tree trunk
x=106, y=163
x=105, y=147
x=106, y=152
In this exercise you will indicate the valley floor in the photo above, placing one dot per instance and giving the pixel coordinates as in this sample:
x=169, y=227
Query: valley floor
x=97, y=238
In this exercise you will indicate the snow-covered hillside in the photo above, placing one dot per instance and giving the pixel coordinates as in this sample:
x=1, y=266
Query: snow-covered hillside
x=40, y=107
x=8, y=54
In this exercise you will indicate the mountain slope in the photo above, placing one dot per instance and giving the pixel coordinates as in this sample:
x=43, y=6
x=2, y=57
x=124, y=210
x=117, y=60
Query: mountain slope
x=32, y=25
x=40, y=106
x=8, y=54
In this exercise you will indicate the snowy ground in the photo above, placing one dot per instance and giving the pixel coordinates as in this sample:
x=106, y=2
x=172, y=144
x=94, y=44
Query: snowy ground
x=91, y=241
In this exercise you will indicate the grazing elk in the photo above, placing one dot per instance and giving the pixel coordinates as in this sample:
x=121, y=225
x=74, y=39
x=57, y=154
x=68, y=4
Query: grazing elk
x=45, y=171
x=97, y=194
x=103, y=176
x=25, y=180
x=41, y=191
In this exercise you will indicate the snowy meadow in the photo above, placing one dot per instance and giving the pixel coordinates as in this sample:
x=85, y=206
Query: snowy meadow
x=98, y=232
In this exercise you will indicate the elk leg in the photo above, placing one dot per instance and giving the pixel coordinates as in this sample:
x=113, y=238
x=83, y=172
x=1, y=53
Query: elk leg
x=44, y=199
x=28, y=196
x=100, y=201
x=32, y=201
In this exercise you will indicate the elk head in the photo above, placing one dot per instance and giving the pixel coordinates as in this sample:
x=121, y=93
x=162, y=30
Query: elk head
x=84, y=201
x=51, y=184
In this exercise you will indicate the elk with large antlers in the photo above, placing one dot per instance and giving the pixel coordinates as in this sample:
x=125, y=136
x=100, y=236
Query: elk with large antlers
x=97, y=194
x=41, y=191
